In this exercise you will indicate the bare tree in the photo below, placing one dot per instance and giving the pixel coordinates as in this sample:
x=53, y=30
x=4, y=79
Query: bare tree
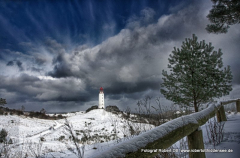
x=159, y=110
x=43, y=111
x=35, y=149
x=5, y=150
x=214, y=131
x=115, y=123
x=79, y=149
x=22, y=108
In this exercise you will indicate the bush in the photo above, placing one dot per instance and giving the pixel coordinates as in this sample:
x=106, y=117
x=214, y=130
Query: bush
x=1, y=112
x=60, y=116
x=42, y=139
x=38, y=115
x=215, y=131
x=18, y=112
x=84, y=139
x=92, y=108
x=113, y=109
x=61, y=138
x=10, y=141
x=3, y=135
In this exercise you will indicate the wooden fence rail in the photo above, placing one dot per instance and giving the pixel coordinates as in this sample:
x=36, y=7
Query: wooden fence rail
x=169, y=133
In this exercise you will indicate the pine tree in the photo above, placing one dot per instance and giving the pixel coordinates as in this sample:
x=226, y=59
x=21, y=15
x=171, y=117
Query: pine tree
x=2, y=101
x=223, y=14
x=196, y=74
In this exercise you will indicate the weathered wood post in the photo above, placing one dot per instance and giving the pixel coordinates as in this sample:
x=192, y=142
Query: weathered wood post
x=238, y=105
x=195, y=144
x=221, y=116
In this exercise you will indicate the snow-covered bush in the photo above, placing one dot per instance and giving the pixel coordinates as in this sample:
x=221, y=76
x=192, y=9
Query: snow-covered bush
x=61, y=138
x=3, y=135
x=79, y=150
x=92, y=108
x=214, y=131
x=35, y=149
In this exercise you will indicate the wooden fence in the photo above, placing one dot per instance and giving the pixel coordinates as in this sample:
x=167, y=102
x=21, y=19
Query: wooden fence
x=169, y=133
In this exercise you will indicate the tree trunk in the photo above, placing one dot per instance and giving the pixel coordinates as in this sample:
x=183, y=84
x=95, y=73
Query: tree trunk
x=238, y=105
x=195, y=105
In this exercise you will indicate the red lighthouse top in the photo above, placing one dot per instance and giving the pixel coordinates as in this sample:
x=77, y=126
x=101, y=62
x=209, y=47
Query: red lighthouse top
x=101, y=89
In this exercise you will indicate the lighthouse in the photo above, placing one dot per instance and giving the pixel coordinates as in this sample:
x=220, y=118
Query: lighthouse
x=101, y=99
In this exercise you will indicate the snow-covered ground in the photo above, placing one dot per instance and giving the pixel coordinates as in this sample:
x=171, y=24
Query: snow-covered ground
x=103, y=126
x=231, y=139
x=228, y=148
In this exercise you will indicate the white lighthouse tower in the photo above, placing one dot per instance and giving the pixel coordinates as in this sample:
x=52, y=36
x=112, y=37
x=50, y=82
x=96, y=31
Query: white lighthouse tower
x=101, y=99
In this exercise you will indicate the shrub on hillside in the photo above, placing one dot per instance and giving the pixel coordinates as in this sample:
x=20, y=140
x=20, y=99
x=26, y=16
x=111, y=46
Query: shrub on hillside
x=60, y=116
x=61, y=138
x=18, y=112
x=92, y=108
x=42, y=139
x=10, y=141
x=3, y=135
x=113, y=109
x=1, y=112
x=38, y=115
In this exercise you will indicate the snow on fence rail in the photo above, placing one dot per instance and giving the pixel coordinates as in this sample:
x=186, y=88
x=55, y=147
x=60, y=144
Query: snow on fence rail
x=168, y=133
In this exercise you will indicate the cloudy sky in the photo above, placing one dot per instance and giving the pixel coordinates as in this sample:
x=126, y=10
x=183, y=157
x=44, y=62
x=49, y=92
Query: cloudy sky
x=57, y=54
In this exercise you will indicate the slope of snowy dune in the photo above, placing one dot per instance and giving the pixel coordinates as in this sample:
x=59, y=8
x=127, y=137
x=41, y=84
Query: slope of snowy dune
x=108, y=129
x=104, y=126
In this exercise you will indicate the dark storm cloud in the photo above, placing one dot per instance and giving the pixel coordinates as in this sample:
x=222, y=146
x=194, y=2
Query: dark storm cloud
x=232, y=54
x=20, y=86
x=235, y=69
x=130, y=88
x=128, y=65
x=53, y=46
x=60, y=70
x=36, y=69
x=10, y=63
x=132, y=60
x=36, y=89
x=40, y=60
x=18, y=63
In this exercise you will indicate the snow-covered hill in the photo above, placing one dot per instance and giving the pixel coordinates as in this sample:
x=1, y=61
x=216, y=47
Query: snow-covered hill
x=97, y=130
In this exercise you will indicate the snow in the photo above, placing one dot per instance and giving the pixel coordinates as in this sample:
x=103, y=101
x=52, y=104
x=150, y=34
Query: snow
x=205, y=112
x=230, y=141
x=24, y=130
x=143, y=139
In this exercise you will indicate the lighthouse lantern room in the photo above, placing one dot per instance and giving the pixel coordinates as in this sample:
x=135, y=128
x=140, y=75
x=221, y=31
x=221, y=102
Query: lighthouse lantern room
x=101, y=99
